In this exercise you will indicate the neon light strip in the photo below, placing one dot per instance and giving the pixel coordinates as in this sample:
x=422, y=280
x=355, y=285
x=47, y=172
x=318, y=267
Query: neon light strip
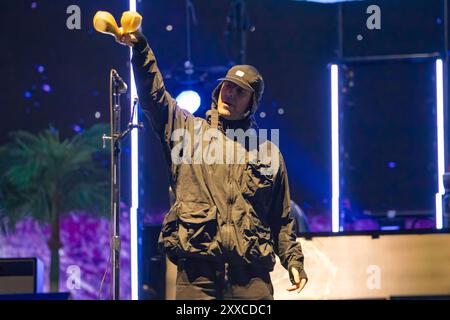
x=335, y=146
x=134, y=185
x=440, y=140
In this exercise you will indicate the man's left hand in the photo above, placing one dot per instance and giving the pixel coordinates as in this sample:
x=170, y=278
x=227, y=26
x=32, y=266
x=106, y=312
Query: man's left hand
x=299, y=283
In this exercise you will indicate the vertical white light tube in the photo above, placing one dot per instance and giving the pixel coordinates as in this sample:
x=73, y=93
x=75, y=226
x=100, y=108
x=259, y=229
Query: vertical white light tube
x=440, y=140
x=134, y=185
x=335, y=146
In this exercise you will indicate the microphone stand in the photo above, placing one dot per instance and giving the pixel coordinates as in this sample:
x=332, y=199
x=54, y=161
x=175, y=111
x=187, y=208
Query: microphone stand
x=116, y=136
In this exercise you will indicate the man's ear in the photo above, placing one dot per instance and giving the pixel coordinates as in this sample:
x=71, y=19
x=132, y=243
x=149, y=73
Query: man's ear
x=249, y=109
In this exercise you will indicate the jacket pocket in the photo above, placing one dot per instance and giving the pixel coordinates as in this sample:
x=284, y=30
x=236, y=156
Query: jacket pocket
x=257, y=187
x=256, y=179
x=168, y=238
x=197, y=229
x=257, y=240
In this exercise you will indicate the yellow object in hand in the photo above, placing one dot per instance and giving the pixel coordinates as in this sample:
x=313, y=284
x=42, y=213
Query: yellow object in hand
x=104, y=22
x=130, y=21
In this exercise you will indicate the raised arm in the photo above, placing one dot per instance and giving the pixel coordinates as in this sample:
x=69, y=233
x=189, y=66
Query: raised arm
x=156, y=102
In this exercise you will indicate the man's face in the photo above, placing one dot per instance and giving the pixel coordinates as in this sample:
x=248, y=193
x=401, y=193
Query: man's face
x=234, y=101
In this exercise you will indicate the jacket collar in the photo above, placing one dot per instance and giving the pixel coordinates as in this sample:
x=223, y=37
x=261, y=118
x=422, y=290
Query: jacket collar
x=224, y=124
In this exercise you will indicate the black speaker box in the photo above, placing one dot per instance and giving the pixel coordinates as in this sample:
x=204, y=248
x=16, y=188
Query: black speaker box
x=21, y=276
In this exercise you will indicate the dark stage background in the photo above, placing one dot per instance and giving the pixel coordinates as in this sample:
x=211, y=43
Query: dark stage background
x=55, y=76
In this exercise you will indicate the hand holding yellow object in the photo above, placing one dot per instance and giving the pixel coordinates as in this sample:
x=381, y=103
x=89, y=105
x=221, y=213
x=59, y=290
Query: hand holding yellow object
x=104, y=22
x=130, y=21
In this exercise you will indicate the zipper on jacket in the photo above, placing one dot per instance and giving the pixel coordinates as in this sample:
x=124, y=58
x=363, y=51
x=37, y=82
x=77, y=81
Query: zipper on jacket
x=230, y=187
x=227, y=226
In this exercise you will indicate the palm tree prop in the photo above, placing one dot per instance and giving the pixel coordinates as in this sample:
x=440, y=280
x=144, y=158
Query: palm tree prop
x=45, y=177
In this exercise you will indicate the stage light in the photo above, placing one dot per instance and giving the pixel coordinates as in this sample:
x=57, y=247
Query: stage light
x=189, y=100
x=77, y=128
x=329, y=1
x=440, y=140
x=46, y=88
x=392, y=165
x=134, y=185
x=389, y=228
x=335, y=147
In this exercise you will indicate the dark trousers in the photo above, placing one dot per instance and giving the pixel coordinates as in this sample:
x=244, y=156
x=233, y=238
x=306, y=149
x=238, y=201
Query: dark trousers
x=199, y=279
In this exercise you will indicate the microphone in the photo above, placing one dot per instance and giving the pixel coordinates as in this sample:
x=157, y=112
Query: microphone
x=122, y=86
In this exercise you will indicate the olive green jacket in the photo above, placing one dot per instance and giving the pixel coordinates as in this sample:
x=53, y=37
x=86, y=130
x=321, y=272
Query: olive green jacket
x=233, y=212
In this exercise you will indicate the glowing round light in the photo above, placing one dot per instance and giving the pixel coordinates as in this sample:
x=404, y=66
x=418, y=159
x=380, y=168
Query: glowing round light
x=77, y=128
x=46, y=88
x=189, y=100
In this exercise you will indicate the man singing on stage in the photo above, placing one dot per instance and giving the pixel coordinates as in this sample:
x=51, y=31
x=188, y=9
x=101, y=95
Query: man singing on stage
x=229, y=219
